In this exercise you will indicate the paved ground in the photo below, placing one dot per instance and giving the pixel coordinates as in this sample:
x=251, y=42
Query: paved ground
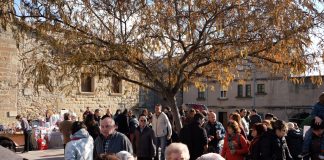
x=50, y=154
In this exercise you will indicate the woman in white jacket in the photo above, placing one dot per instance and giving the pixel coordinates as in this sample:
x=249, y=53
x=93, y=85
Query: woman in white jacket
x=81, y=145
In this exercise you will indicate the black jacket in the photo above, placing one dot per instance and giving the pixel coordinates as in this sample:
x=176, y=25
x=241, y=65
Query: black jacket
x=254, y=149
x=195, y=137
x=121, y=121
x=93, y=130
x=255, y=119
x=295, y=142
x=144, y=142
x=273, y=147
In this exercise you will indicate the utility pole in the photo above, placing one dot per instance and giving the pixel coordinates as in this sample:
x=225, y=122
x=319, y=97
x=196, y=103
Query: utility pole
x=254, y=85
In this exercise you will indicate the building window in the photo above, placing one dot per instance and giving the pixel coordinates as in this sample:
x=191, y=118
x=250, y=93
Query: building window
x=223, y=94
x=87, y=83
x=201, y=94
x=239, y=90
x=261, y=89
x=248, y=90
x=116, y=85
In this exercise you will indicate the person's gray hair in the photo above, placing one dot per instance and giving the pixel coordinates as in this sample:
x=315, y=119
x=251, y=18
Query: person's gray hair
x=179, y=148
x=290, y=125
x=211, y=156
x=124, y=155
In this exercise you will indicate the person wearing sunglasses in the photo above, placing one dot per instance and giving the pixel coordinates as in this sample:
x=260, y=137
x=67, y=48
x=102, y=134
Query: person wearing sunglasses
x=144, y=140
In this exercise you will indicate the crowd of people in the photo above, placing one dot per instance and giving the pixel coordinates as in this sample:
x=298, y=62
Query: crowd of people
x=246, y=136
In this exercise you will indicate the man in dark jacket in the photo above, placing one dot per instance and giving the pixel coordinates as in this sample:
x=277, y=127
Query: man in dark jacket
x=144, y=140
x=122, y=123
x=215, y=132
x=254, y=118
x=317, y=114
x=294, y=141
x=97, y=116
x=195, y=137
x=111, y=141
x=133, y=124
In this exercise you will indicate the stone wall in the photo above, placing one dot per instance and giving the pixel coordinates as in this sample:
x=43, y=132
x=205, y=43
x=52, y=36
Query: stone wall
x=34, y=105
x=8, y=77
x=16, y=98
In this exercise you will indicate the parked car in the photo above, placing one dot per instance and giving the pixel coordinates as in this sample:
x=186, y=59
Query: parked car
x=7, y=143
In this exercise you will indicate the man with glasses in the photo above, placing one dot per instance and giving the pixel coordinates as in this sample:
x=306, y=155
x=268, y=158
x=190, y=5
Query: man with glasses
x=110, y=141
x=144, y=140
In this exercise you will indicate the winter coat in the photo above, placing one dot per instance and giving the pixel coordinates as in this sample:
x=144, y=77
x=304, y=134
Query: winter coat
x=93, y=130
x=80, y=147
x=238, y=144
x=117, y=142
x=254, y=149
x=294, y=140
x=122, y=123
x=318, y=110
x=211, y=131
x=315, y=147
x=195, y=137
x=145, y=142
x=133, y=124
x=274, y=148
x=161, y=125
x=255, y=119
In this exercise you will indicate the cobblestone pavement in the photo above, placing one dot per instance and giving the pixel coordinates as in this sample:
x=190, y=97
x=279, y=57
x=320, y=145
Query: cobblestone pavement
x=50, y=154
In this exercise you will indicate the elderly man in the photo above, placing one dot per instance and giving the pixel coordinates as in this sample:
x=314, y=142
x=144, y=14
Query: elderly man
x=215, y=132
x=109, y=140
x=162, y=129
x=255, y=117
x=177, y=151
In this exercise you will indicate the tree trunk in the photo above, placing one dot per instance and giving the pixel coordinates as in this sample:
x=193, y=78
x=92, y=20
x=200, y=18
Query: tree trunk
x=175, y=112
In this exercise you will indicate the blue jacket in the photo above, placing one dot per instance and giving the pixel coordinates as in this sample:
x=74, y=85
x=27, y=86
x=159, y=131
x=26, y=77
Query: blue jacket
x=211, y=131
x=318, y=110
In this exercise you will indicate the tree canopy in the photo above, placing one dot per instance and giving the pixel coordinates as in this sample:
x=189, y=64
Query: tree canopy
x=168, y=43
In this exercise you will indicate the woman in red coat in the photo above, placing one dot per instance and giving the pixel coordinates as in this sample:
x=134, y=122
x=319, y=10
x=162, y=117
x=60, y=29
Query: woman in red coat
x=237, y=118
x=235, y=145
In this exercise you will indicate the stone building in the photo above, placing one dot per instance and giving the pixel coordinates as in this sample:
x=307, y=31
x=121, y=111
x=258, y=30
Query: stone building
x=267, y=94
x=8, y=77
x=16, y=98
